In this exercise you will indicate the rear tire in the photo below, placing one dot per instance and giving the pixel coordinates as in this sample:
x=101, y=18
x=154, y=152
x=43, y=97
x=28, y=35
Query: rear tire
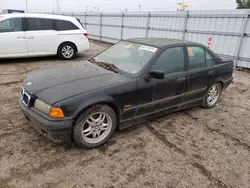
x=94, y=126
x=67, y=51
x=212, y=95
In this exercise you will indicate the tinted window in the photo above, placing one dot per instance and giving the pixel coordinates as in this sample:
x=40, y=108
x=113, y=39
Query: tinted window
x=196, y=57
x=62, y=25
x=171, y=60
x=11, y=25
x=36, y=24
x=210, y=59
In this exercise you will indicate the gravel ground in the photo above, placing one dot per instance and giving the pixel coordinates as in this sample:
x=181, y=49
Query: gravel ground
x=193, y=148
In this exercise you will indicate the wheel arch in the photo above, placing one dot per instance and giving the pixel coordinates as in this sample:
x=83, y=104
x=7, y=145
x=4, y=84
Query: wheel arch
x=102, y=102
x=67, y=42
x=218, y=80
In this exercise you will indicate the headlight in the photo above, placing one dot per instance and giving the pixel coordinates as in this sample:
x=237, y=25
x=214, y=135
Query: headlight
x=54, y=112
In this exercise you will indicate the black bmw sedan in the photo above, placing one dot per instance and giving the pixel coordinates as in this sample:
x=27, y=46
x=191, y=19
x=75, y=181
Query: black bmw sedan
x=129, y=83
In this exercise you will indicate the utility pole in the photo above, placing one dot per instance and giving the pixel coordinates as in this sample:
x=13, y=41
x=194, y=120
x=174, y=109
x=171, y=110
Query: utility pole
x=53, y=8
x=139, y=7
x=58, y=5
x=86, y=8
x=26, y=5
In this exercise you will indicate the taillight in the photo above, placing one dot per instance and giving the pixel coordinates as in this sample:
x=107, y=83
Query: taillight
x=85, y=34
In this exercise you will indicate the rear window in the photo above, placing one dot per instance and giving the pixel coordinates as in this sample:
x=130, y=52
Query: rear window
x=79, y=22
x=63, y=25
x=36, y=24
x=196, y=57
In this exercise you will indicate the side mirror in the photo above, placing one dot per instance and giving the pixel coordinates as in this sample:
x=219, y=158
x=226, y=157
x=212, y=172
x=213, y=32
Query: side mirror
x=157, y=74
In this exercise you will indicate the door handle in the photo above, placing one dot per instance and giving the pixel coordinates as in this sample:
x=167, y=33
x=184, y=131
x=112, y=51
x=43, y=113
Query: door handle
x=29, y=37
x=181, y=79
x=21, y=38
x=211, y=72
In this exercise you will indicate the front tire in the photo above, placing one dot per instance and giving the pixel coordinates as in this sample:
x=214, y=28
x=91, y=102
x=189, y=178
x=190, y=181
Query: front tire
x=212, y=95
x=67, y=51
x=94, y=126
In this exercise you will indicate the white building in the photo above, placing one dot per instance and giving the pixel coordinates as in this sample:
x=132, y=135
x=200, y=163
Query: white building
x=12, y=4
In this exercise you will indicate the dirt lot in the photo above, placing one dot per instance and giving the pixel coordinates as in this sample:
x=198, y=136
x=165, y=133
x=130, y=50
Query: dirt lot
x=194, y=148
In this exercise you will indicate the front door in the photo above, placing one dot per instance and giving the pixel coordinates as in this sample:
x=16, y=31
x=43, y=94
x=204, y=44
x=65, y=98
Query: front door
x=41, y=38
x=156, y=95
x=12, y=38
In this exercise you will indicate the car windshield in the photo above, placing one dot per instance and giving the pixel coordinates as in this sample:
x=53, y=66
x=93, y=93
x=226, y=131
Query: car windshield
x=126, y=56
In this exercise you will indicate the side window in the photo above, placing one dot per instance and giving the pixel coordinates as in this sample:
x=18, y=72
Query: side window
x=62, y=25
x=11, y=25
x=196, y=57
x=36, y=24
x=171, y=60
x=209, y=58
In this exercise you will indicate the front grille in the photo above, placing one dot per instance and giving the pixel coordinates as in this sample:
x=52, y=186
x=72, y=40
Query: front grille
x=25, y=97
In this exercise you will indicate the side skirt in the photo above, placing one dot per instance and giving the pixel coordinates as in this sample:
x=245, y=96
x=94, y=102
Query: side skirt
x=153, y=115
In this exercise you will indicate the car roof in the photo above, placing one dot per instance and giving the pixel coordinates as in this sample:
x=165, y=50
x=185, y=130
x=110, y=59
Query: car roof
x=29, y=15
x=158, y=42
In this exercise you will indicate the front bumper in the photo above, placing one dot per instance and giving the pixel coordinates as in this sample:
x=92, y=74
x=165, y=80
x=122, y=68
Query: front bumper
x=58, y=131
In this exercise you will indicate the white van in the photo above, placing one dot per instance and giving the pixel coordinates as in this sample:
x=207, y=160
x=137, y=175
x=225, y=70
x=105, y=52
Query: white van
x=29, y=35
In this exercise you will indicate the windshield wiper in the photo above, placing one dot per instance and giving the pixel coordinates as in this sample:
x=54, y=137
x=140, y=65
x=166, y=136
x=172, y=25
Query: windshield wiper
x=107, y=66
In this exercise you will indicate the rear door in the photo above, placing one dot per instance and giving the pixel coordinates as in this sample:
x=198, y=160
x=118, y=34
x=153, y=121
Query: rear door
x=166, y=94
x=200, y=73
x=41, y=37
x=12, y=38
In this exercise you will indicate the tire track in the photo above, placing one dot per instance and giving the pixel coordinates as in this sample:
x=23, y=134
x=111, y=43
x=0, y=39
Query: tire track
x=227, y=136
x=208, y=174
x=165, y=141
x=214, y=181
x=9, y=83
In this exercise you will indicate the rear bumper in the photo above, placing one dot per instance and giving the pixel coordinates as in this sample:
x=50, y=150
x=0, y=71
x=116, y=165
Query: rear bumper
x=57, y=131
x=82, y=46
x=227, y=83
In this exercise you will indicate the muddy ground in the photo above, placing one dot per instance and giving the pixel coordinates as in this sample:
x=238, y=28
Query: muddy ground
x=195, y=148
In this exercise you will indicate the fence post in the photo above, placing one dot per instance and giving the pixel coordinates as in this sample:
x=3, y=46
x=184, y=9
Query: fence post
x=241, y=39
x=100, y=26
x=122, y=17
x=148, y=21
x=185, y=25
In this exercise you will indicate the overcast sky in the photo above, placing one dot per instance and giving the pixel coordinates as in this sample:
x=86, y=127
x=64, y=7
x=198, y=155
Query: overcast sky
x=115, y=5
